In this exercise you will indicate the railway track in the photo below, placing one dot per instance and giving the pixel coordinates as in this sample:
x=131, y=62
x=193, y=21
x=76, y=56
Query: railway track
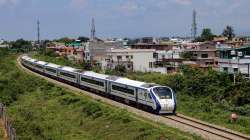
x=223, y=133
x=205, y=130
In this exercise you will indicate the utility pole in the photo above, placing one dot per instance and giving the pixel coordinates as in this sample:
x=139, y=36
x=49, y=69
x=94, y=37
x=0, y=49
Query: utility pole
x=194, y=26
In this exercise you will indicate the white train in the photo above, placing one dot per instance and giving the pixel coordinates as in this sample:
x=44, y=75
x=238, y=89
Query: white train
x=156, y=98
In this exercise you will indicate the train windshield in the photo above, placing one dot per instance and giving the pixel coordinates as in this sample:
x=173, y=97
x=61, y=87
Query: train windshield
x=163, y=92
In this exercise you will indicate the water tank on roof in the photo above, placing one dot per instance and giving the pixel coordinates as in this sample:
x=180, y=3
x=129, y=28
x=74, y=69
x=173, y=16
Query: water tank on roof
x=233, y=52
x=240, y=54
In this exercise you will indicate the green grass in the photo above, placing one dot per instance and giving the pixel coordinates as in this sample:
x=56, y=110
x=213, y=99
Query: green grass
x=208, y=96
x=40, y=110
x=1, y=132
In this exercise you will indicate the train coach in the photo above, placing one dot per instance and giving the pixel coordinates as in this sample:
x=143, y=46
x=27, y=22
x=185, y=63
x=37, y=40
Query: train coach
x=156, y=98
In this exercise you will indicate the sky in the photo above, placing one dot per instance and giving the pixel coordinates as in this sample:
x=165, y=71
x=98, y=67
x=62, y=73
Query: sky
x=119, y=18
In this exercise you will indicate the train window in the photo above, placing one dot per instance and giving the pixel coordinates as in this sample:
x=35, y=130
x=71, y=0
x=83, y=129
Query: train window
x=68, y=75
x=51, y=70
x=91, y=81
x=38, y=66
x=163, y=92
x=122, y=89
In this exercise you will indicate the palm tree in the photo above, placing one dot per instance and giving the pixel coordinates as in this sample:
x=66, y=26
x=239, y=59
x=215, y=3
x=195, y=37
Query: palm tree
x=228, y=32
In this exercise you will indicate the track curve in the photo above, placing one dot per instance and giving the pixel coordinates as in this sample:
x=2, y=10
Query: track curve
x=178, y=121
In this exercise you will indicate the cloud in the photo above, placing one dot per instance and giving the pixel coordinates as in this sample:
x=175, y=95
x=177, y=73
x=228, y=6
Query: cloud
x=183, y=2
x=131, y=8
x=8, y=2
x=78, y=4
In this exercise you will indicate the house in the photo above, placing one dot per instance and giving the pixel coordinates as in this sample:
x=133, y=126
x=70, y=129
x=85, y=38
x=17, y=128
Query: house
x=133, y=59
x=235, y=60
x=95, y=51
x=204, y=54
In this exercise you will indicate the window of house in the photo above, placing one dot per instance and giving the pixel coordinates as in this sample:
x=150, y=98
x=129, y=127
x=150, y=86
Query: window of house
x=127, y=57
x=225, y=69
x=236, y=69
x=150, y=64
x=131, y=56
x=119, y=57
x=204, y=55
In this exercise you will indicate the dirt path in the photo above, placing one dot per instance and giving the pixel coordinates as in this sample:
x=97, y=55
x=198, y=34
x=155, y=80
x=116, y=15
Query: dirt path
x=5, y=136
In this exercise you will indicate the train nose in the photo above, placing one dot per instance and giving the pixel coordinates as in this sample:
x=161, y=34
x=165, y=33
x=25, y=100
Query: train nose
x=167, y=106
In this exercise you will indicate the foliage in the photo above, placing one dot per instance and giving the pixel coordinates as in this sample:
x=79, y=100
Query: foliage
x=83, y=39
x=21, y=45
x=187, y=55
x=206, y=35
x=119, y=70
x=228, y=32
x=41, y=110
x=207, y=95
x=65, y=40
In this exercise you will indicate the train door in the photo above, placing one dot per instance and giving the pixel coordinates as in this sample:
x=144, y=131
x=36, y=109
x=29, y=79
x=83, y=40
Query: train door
x=149, y=100
x=106, y=86
x=141, y=97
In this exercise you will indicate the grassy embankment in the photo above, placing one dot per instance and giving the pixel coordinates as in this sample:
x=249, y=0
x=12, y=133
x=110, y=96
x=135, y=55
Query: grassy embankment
x=41, y=110
x=206, y=95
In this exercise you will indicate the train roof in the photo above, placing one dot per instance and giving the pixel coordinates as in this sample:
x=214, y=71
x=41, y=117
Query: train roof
x=41, y=62
x=70, y=69
x=96, y=75
x=25, y=57
x=53, y=65
x=130, y=82
x=32, y=60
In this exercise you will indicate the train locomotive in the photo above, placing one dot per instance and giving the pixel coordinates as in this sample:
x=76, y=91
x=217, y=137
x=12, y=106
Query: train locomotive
x=155, y=98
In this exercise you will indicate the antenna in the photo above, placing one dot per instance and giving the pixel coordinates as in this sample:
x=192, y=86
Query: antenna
x=194, y=26
x=38, y=33
x=93, y=29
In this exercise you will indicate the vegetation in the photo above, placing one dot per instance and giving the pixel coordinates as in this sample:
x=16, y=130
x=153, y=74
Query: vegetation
x=40, y=110
x=21, y=45
x=207, y=95
x=206, y=35
x=187, y=55
x=228, y=32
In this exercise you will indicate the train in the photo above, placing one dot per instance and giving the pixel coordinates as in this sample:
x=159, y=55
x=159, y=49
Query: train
x=152, y=97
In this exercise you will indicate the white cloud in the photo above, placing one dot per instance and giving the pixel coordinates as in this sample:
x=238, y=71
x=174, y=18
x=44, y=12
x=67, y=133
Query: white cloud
x=78, y=3
x=9, y=2
x=183, y=2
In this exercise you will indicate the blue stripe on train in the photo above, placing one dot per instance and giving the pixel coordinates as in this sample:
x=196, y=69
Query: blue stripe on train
x=158, y=106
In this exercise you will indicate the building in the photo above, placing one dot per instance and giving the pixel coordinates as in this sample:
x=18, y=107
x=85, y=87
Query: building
x=235, y=60
x=133, y=59
x=2, y=45
x=166, y=46
x=95, y=51
x=203, y=54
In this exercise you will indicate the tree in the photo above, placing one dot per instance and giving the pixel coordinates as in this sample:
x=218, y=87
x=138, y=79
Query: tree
x=187, y=55
x=83, y=39
x=206, y=35
x=21, y=45
x=65, y=40
x=228, y=32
